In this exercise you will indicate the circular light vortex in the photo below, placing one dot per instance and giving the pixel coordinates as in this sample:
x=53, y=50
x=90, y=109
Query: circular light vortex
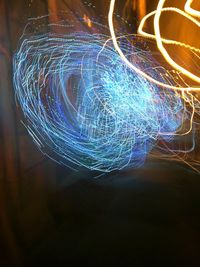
x=84, y=107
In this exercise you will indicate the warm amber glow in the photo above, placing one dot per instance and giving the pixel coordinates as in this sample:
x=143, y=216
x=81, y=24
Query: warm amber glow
x=141, y=8
x=190, y=10
x=52, y=5
x=186, y=91
x=167, y=41
x=88, y=21
x=159, y=41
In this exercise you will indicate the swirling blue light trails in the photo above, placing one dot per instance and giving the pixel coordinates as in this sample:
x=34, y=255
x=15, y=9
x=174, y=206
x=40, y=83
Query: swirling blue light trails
x=84, y=107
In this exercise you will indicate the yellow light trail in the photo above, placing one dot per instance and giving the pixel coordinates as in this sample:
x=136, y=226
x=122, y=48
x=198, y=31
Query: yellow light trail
x=159, y=41
x=162, y=48
x=167, y=41
x=190, y=10
x=185, y=91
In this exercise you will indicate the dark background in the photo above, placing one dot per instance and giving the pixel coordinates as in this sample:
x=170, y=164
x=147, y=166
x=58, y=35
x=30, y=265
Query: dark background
x=56, y=217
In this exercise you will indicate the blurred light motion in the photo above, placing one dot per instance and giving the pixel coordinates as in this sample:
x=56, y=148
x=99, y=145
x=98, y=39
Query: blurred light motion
x=88, y=21
x=162, y=48
x=139, y=8
x=159, y=44
x=190, y=10
x=187, y=92
x=84, y=106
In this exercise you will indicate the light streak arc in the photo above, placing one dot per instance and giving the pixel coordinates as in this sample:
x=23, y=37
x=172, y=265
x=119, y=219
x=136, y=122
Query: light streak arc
x=190, y=10
x=84, y=107
x=162, y=48
x=129, y=64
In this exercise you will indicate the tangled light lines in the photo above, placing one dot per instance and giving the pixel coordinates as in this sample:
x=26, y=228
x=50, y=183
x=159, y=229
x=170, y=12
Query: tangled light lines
x=84, y=107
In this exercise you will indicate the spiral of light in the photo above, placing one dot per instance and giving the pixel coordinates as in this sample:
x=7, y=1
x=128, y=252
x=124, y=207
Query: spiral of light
x=84, y=107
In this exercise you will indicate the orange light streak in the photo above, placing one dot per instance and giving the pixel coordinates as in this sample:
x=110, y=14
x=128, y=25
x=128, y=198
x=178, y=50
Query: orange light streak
x=88, y=21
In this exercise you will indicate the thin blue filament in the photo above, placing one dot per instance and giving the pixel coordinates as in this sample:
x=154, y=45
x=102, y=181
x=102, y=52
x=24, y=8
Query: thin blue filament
x=85, y=108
